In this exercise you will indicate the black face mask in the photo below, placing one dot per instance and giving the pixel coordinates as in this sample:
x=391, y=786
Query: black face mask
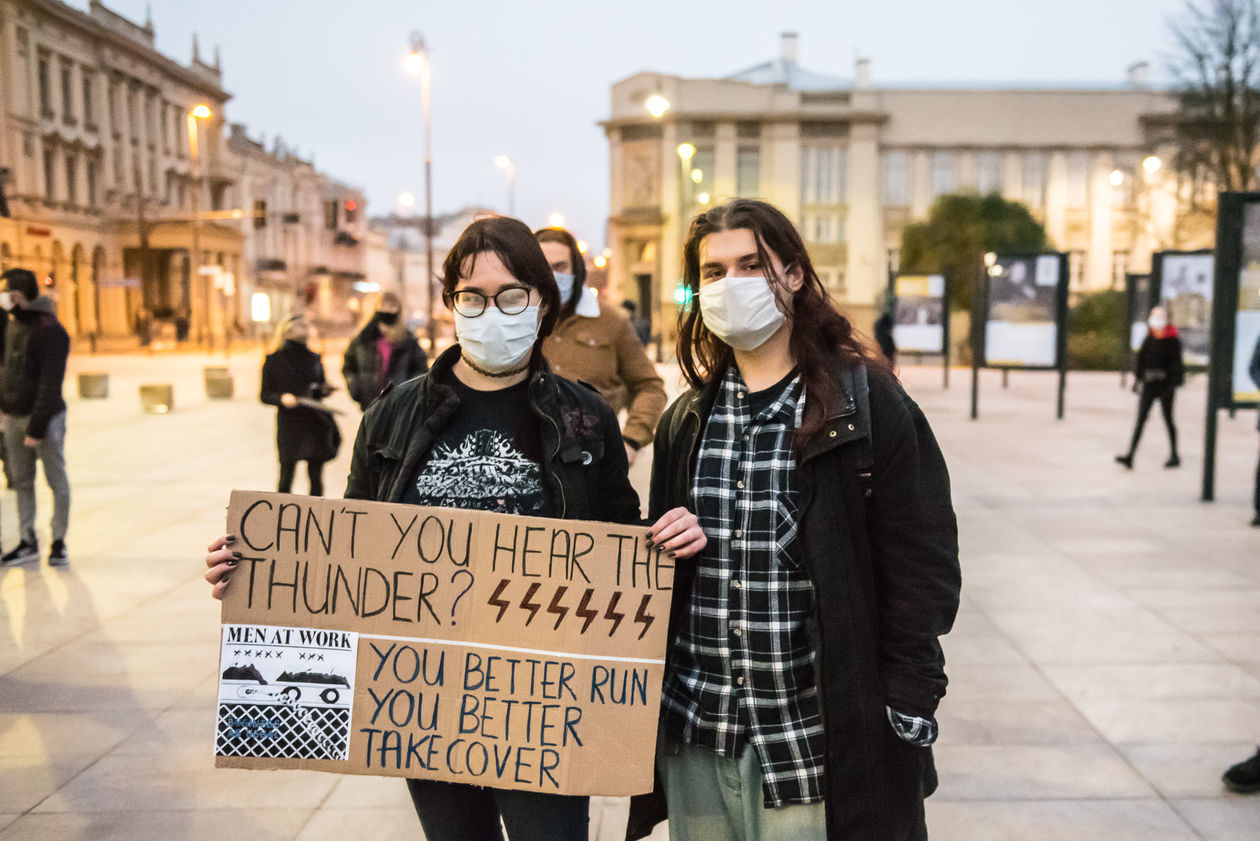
x=389, y=319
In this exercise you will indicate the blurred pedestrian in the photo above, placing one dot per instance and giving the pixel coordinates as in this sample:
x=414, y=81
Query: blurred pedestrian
x=293, y=381
x=491, y=428
x=884, y=337
x=35, y=354
x=1159, y=371
x=805, y=668
x=385, y=351
x=638, y=322
x=599, y=346
x=1254, y=370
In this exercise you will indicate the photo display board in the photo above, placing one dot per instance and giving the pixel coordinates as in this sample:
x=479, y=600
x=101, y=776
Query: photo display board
x=437, y=643
x=1247, y=320
x=919, y=318
x=1024, y=308
x=1185, y=289
x=1140, y=303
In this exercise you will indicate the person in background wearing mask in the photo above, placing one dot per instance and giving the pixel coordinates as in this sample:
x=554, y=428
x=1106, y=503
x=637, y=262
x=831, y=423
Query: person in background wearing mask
x=35, y=353
x=598, y=345
x=491, y=428
x=803, y=679
x=1159, y=370
x=291, y=373
x=383, y=352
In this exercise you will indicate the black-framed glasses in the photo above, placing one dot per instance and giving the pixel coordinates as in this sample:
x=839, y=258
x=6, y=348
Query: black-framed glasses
x=510, y=300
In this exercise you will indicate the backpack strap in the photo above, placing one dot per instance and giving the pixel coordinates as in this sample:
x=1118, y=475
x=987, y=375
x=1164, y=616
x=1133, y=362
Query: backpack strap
x=856, y=382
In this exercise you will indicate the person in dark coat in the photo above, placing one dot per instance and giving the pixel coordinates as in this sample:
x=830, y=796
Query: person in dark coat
x=1159, y=371
x=303, y=433
x=884, y=337
x=384, y=352
x=802, y=682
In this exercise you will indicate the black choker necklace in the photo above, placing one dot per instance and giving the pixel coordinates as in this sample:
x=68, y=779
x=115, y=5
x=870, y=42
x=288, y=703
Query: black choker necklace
x=495, y=374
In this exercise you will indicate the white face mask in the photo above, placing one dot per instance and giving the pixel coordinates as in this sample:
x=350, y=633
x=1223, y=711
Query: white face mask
x=6, y=301
x=1157, y=322
x=741, y=311
x=496, y=342
x=565, y=281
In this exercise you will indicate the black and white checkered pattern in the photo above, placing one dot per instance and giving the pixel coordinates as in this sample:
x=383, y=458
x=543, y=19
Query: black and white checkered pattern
x=742, y=666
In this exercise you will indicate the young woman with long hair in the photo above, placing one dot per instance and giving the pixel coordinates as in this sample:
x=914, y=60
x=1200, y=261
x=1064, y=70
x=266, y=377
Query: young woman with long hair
x=805, y=660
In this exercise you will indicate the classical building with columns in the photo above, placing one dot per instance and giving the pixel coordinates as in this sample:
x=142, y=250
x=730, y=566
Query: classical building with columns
x=853, y=162
x=115, y=169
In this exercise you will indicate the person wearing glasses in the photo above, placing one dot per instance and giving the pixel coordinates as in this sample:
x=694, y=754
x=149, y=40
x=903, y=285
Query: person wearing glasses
x=491, y=428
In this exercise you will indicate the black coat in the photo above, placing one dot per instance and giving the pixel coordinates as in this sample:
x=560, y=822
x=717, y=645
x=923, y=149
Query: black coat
x=1159, y=362
x=585, y=460
x=886, y=580
x=302, y=433
x=362, y=364
x=35, y=354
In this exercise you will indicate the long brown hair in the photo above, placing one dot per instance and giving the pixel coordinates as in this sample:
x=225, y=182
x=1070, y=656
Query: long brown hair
x=821, y=339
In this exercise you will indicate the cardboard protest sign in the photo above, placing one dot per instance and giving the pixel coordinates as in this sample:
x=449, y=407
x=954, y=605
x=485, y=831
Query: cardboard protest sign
x=507, y=651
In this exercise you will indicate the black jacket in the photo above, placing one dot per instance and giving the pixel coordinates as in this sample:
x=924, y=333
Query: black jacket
x=35, y=352
x=302, y=433
x=585, y=461
x=362, y=364
x=1159, y=362
x=886, y=580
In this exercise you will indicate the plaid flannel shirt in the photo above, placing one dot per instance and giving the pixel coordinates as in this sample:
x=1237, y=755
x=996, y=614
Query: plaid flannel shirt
x=743, y=667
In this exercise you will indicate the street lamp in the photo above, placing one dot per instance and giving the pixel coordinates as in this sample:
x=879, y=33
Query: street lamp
x=1117, y=178
x=506, y=163
x=417, y=64
x=656, y=105
x=1152, y=165
x=686, y=151
x=198, y=112
x=555, y=220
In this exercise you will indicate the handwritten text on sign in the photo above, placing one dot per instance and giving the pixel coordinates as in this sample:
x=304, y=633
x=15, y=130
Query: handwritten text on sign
x=506, y=651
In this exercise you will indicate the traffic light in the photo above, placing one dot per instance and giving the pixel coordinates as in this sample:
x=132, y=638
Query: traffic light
x=682, y=294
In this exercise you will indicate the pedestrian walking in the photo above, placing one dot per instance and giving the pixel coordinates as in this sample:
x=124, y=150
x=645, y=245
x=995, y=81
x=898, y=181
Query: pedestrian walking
x=805, y=671
x=383, y=352
x=36, y=348
x=1159, y=372
x=490, y=427
x=293, y=381
x=599, y=346
x=1254, y=370
x=884, y=337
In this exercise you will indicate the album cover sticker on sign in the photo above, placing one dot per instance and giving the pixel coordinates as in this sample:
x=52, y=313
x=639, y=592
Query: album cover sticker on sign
x=370, y=638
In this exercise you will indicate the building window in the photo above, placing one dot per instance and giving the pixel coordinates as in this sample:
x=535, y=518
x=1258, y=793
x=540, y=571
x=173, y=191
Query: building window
x=748, y=172
x=1078, y=180
x=72, y=181
x=944, y=173
x=748, y=130
x=89, y=103
x=91, y=184
x=67, y=99
x=133, y=112
x=989, y=173
x=1076, y=269
x=330, y=214
x=701, y=173
x=45, y=85
x=50, y=175
x=260, y=213
x=896, y=179
x=113, y=108
x=1034, y=186
x=822, y=174
x=1119, y=269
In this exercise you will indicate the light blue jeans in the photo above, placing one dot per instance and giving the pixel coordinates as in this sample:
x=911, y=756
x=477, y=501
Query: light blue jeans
x=21, y=458
x=713, y=798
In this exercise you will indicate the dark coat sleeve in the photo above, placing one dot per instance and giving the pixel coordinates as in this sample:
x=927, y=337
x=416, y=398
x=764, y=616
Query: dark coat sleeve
x=54, y=350
x=359, y=484
x=1142, y=360
x=1254, y=369
x=1177, y=366
x=618, y=502
x=270, y=391
x=913, y=537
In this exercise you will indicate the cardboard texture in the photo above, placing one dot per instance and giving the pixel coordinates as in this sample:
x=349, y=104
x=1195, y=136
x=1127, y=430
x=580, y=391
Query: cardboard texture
x=371, y=638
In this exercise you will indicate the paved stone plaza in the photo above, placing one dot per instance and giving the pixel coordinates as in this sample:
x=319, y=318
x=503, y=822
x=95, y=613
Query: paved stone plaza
x=1105, y=667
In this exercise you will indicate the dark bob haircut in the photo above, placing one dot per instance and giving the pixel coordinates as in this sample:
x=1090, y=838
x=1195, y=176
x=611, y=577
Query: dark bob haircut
x=576, y=260
x=512, y=242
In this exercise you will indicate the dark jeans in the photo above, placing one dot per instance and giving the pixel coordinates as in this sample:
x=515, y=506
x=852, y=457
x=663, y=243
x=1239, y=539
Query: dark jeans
x=314, y=470
x=457, y=812
x=1150, y=393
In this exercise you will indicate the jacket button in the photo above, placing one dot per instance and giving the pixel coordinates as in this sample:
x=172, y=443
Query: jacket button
x=587, y=458
x=851, y=427
x=831, y=434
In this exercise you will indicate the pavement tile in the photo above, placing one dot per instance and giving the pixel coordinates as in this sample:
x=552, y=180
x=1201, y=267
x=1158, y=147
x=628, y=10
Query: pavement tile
x=1011, y=721
x=1155, y=680
x=1188, y=770
x=1036, y=772
x=258, y=824
x=1057, y=820
x=1187, y=720
x=1233, y=817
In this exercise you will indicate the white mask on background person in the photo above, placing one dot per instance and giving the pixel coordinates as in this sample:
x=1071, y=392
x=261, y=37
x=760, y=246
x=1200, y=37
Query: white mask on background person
x=1157, y=322
x=6, y=301
x=565, y=281
x=741, y=311
x=496, y=342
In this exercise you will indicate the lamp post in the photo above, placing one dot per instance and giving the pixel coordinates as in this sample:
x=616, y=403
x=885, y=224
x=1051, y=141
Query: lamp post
x=199, y=112
x=417, y=64
x=506, y=163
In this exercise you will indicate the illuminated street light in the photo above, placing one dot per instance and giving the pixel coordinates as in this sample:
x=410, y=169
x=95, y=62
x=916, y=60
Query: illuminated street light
x=1152, y=165
x=415, y=61
x=697, y=176
x=685, y=151
x=418, y=64
x=703, y=198
x=990, y=258
x=505, y=163
x=1117, y=178
x=406, y=201
x=582, y=247
x=601, y=261
x=656, y=105
x=202, y=112
x=555, y=220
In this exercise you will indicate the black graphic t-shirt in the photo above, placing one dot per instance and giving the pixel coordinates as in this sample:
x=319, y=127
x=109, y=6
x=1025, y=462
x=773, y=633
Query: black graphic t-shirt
x=488, y=457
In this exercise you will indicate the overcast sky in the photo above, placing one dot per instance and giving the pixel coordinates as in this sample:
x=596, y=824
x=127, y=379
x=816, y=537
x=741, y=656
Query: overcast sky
x=531, y=79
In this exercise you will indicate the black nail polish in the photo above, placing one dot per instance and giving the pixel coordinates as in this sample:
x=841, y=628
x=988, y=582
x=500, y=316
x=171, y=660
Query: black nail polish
x=237, y=555
x=223, y=580
x=650, y=544
x=231, y=538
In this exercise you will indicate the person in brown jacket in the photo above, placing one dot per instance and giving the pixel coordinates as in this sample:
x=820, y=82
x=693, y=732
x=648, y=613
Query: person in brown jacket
x=598, y=345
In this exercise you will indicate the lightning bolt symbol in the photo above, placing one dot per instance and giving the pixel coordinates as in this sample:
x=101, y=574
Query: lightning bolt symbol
x=642, y=616
x=611, y=614
x=588, y=615
x=528, y=605
x=501, y=604
x=558, y=609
